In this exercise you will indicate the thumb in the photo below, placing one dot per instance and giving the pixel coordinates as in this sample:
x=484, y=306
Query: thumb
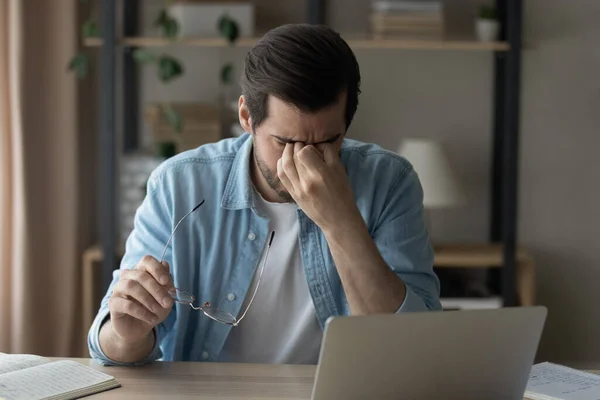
x=330, y=156
x=166, y=265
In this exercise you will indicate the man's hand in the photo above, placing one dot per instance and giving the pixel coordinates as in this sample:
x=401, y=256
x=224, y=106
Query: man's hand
x=317, y=181
x=140, y=300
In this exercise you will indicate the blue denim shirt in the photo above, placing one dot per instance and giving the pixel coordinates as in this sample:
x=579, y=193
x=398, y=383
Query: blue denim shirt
x=216, y=250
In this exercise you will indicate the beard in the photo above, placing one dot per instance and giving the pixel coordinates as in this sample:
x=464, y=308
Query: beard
x=272, y=179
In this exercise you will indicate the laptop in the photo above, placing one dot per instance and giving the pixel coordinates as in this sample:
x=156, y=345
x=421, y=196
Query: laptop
x=476, y=354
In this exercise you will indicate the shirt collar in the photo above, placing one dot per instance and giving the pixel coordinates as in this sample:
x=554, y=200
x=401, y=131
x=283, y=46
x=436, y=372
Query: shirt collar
x=238, y=190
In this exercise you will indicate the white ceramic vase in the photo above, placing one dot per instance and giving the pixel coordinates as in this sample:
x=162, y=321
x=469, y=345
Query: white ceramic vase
x=487, y=30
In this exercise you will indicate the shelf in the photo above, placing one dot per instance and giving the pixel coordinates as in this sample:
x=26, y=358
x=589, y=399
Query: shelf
x=483, y=255
x=364, y=43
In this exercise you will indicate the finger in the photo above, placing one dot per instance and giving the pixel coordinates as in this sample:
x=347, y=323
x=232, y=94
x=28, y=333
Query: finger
x=311, y=160
x=302, y=171
x=319, y=150
x=288, y=166
x=156, y=269
x=159, y=293
x=132, y=288
x=297, y=148
x=130, y=307
x=330, y=155
x=168, y=271
x=284, y=178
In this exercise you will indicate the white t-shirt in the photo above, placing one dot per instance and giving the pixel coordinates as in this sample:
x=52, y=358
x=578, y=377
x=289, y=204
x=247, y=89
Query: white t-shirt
x=281, y=326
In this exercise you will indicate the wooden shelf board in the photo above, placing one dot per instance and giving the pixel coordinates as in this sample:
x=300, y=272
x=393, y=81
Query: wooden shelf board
x=363, y=43
x=475, y=255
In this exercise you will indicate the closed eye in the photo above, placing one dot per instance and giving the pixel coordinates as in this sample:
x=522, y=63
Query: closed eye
x=283, y=141
x=332, y=140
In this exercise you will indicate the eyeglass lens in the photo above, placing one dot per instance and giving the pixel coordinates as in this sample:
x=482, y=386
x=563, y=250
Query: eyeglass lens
x=181, y=296
x=218, y=315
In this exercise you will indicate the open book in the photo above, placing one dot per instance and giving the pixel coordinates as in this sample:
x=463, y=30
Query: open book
x=30, y=377
x=548, y=381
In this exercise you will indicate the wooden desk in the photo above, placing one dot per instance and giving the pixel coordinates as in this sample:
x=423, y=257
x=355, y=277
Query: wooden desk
x=208, y=381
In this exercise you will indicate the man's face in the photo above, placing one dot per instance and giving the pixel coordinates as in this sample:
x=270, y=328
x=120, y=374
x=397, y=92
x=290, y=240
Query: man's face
x=284, y=124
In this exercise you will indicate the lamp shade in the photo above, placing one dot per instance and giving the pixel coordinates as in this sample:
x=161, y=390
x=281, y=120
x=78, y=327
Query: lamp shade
x=441, y=186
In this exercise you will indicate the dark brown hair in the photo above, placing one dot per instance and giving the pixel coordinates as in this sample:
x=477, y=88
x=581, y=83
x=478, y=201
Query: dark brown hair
x=306, y=66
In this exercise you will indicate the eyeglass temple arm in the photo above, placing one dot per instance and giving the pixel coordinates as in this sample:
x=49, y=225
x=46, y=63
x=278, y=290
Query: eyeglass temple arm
x=162, y=258
x=262, y=268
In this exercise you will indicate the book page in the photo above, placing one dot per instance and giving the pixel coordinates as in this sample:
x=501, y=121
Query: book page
x=48, y=380
x=561, y=382
x=15, y=362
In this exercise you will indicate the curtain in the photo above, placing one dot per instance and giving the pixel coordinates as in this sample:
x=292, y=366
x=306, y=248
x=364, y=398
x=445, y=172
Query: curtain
x=42, y=178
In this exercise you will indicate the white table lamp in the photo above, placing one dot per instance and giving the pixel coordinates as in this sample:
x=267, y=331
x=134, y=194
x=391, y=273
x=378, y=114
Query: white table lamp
x=441, y=186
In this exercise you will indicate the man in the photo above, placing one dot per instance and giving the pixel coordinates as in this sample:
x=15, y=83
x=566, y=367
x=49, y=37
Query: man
x=349, y=236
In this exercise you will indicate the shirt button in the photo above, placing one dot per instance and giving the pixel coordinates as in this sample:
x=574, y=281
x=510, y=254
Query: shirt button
x=204, y=355
x=231, y=297
x=251, y=236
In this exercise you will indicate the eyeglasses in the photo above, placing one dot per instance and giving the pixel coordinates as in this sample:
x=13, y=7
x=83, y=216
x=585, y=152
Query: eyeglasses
x=183, y=297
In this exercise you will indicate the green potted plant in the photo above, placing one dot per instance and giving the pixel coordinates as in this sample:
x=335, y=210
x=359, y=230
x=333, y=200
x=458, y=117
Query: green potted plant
x=487, y=26
x=168, y=67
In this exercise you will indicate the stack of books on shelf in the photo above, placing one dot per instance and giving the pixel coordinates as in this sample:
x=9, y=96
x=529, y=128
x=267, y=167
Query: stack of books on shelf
x=407, y=19
x=135, y=169
x=201, y=125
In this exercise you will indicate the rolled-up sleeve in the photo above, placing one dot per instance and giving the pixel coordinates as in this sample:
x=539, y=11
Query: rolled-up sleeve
x=413, y=303
x=403, y=241
x=94, y=338
x=150, y=233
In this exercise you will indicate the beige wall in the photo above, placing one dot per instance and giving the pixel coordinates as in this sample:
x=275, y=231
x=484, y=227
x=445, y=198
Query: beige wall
x=560, y=171
x=448, y=95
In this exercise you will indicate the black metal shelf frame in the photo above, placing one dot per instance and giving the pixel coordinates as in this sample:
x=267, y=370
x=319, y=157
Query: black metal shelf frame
x=505, y=149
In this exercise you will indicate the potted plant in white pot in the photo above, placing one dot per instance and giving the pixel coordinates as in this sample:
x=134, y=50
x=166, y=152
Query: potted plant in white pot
x=487, y=26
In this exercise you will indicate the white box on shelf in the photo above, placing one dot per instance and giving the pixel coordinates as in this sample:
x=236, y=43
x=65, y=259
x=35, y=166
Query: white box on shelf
x=201, y=19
